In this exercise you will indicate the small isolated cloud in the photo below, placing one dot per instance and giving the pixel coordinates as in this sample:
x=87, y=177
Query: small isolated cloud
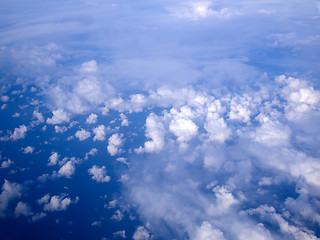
x=99, y=174
x=141, y=234
x=117, y=216
x=28, y=149
x=19, y=133
x=60, y=129
x=6, y=164
x=124, y=119
x=53, y=159
x=9, y=192
x=115, y=142
x=38, y=116
x=119, y=234
x=92, y=152
x=5, y=98
x=89, y=67
x=93, y=118
x=38, y=216
x=100, y=133
x=22, y=209
x=55, y=203
x=67, y=170
x=59, y=116
x=96, y=224
x=82, y=134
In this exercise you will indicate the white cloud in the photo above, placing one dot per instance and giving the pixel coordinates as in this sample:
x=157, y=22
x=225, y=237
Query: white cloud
x=119, y=234
x=67, y=170
x=28, y=149
x=53, y=159
x=55, y=203
x=99, y=174
x=93, y=118
x=22, y=209
x=115, y=142
x=9, y=192
x=124, y=119
x=5, y=98
x=141, y=234
x=59, y=116
x=206, y=232
x=89, y=67
x=92, y=152
x=82, y=134
x=183, y=129
x=37, y=115
x=60, y=129
x=155, y=131
x=217, y=128
x=19, y=133
x=6, y=164
x=117, y=216
x=100, y=133
x=38, y=216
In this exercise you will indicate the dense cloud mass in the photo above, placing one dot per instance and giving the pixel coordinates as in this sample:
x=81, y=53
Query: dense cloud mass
x=160, y=120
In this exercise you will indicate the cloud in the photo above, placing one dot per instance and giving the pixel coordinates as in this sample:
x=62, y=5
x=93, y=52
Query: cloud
x=67, y=170
x=59, y=116
x=82, y=134
x=93, y=118
x=92, y=152
x=7, y=163
x=99, y=174
x=117, y=216
x=141, y=234
x=28, y=149
x=53, y=159
x=22, y=209
x=55, y=203
x=155, y=131
x=9, y=192
x=115, y=142
x=100, y=133
x=19, y=133
x=206, y=232
x=119, y=234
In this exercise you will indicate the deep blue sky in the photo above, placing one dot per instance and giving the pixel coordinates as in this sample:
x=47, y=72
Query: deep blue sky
x=159, y=119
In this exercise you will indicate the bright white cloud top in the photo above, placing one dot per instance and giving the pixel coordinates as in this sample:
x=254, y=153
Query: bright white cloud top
x=160, y=119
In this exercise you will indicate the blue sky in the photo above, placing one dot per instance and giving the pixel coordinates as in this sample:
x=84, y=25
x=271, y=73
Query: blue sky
x=160, y=119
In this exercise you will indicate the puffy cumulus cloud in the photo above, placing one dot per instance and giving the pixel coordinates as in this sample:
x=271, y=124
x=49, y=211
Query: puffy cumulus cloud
x=82, y=134
x=28, y=149
x=59, y=116
x=53, y=159
x=93, y=118
x=10, y=191
x=206, y=232
x=92, y=152
x=119, y=234
x=22, y=209
x=155, y=131
x=117, y=216
x=240, y=108
x=56, y=202
x=7, y=163
x=38, y=116
x=99, y=173
x=217, y=128
x=19, y=133
x=115, y=142
x=67, y=170
x=100, y=133
x=89, y=67
x=183, y=129
x=141, y=234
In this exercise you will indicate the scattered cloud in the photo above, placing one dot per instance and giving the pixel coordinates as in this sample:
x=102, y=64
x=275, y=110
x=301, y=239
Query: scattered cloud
x=99, y=174
x=82, y=134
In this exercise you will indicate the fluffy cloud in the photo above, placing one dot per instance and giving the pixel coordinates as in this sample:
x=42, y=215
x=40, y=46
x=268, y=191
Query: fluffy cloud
x=28, y=149
x=19, y=133
x=9, y=192
x=155, y=131
x=55, y=203
x=141, y=234
x=7, y=163
x=115, y=141
x=117, y=216
x=183, y=129
x=67, y=170
x=82, y=134
x=93, y=118
x=99, y=174
x=206, y=232
x=53, y=159
x=217, y=128
x=22, y=209
x=92, y=152
x=59, y=116
x=119, y=234
x=100, y=133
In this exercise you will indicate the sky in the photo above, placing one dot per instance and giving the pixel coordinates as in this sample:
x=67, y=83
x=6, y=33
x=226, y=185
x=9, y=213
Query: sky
x=160, y=119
